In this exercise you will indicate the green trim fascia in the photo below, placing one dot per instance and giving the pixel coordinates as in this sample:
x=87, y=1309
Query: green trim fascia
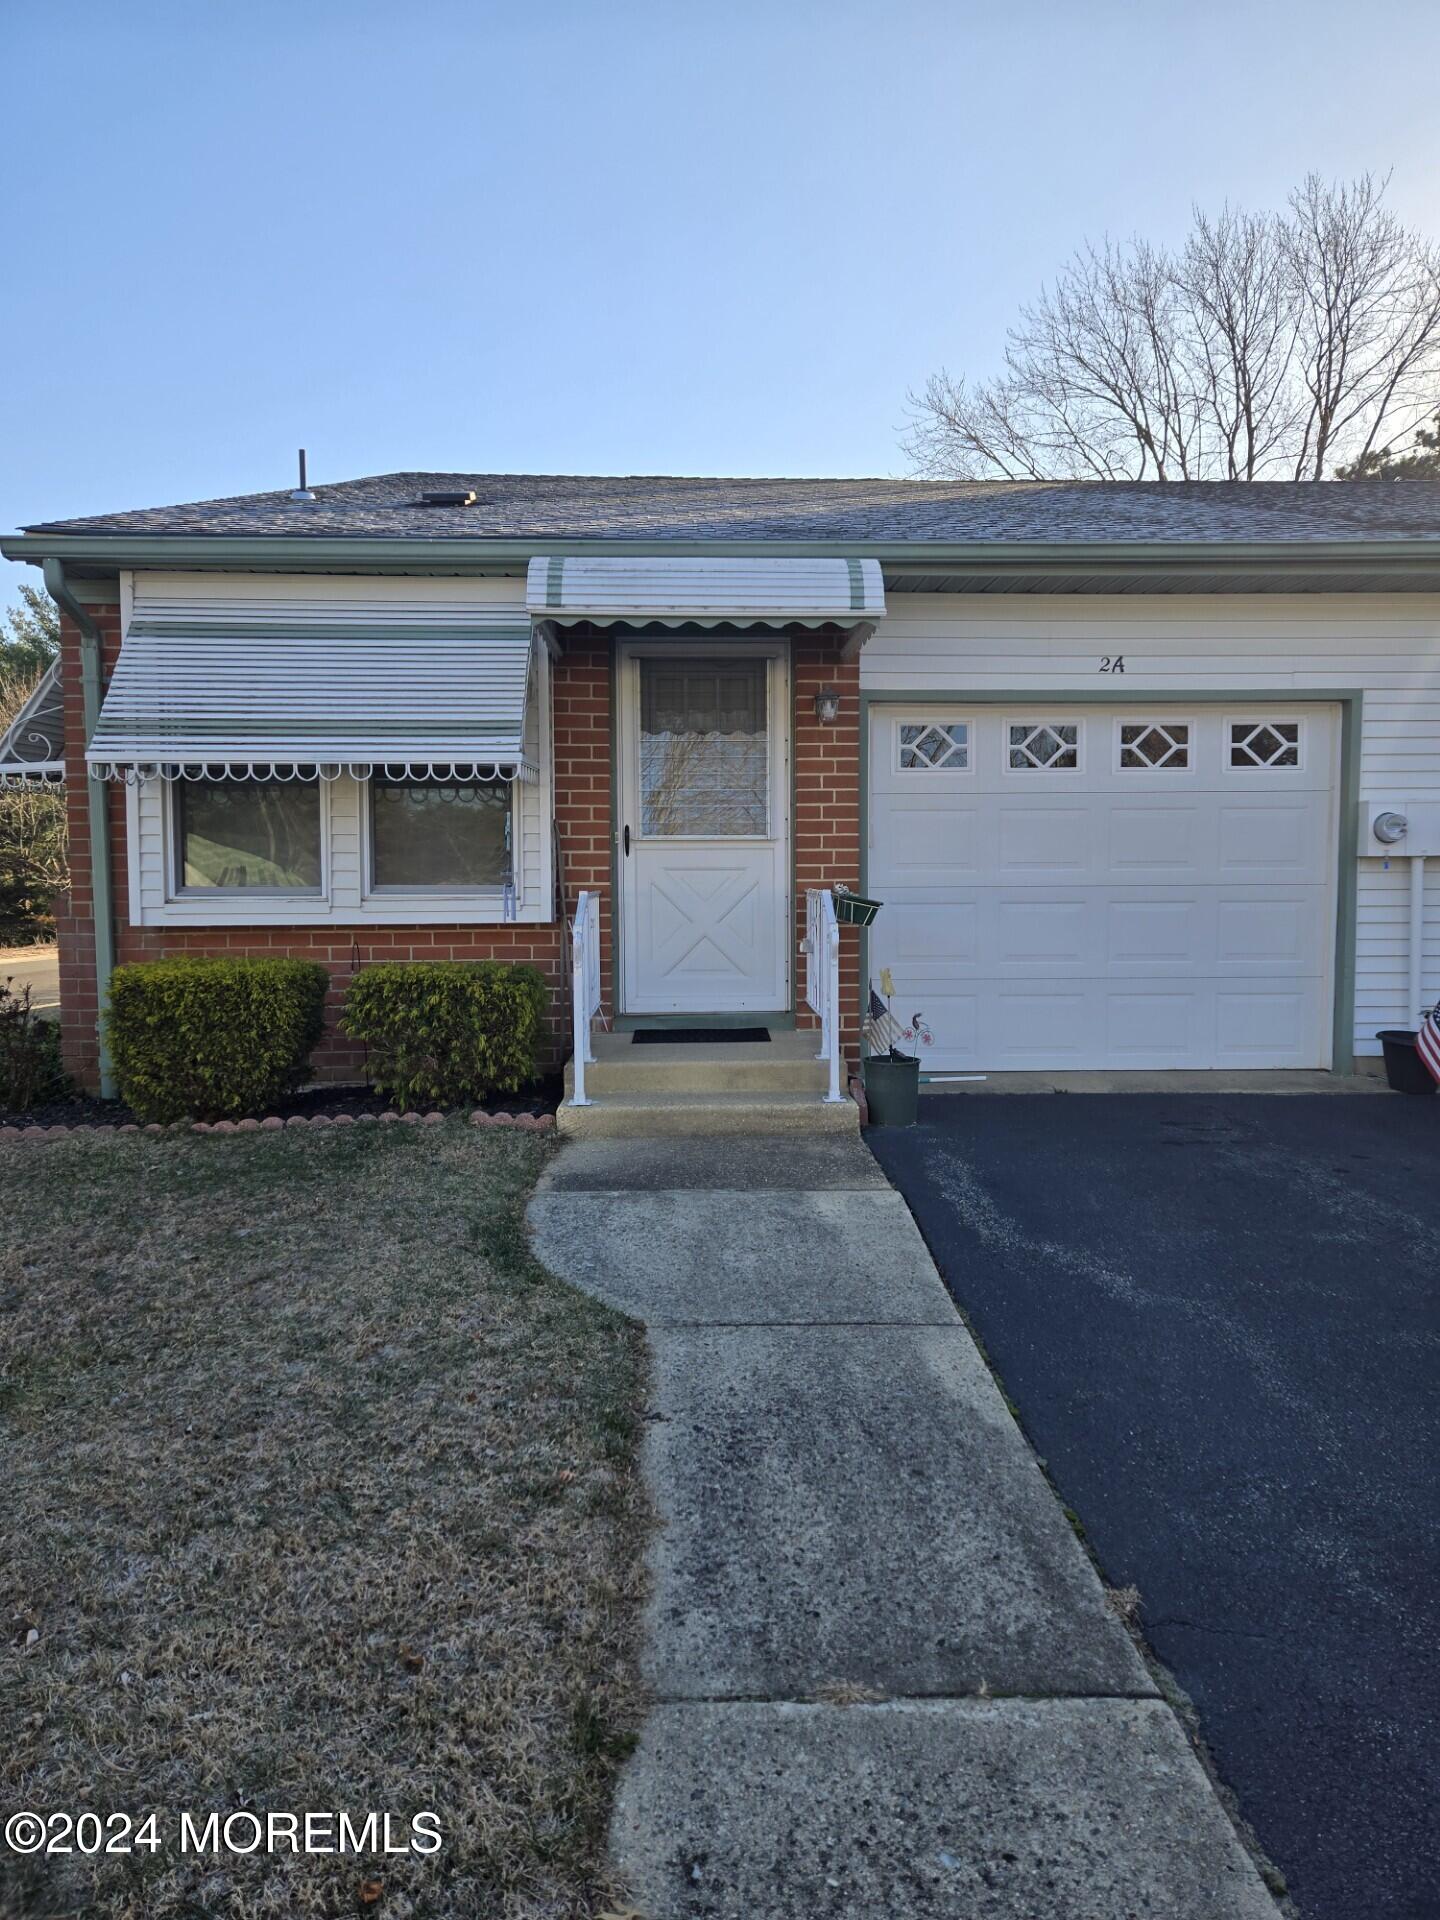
x=1347, y=898
x=97, y=801
x=463, y=554
x=1351, y=702
x=1080, y=697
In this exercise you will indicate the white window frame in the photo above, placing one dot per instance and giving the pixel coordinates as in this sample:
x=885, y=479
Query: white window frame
x=389, y=896
x=1292, y=718
x=1031, y=722
x=1140, y=718
x=946, y=721
x=177, y=893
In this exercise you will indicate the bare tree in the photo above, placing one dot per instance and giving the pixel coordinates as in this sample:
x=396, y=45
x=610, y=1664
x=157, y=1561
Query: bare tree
x=1268, y=346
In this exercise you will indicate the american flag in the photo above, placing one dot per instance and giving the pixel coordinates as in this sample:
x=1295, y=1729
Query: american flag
x=1427, y=1041
x=882, y=1029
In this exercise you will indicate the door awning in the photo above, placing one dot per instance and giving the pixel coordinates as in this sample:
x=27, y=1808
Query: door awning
x=671, y=590
x=244, y=691
x=32, y=747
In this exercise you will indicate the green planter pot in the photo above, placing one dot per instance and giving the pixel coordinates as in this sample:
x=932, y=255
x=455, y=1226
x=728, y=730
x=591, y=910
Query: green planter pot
x=854, y=910
x=892, y=1090
x=1405, y=1071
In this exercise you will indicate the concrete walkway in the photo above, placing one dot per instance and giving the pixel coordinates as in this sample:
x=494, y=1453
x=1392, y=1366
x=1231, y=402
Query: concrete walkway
x=885, y=1678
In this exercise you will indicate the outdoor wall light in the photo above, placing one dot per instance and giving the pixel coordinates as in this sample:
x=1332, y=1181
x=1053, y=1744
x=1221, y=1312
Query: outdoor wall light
x=827, y=706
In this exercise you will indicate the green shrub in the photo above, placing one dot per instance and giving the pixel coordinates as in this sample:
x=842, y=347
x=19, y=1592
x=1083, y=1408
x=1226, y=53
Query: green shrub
x=444, y=1032
x=214, y=1038
x=30, y=1069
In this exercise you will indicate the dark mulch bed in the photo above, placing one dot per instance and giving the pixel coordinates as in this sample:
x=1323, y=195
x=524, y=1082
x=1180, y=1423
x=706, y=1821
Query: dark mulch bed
x=543, y=1097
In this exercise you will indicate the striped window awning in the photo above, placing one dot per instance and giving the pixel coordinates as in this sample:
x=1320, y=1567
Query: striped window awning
x=32, y=747
x=671, y=590
x=253, y=689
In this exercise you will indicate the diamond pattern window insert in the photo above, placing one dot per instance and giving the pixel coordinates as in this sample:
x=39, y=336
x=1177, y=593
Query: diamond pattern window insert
x=1051, y=746
x=1154, y=746
x=934, y=744
x=1265, y=743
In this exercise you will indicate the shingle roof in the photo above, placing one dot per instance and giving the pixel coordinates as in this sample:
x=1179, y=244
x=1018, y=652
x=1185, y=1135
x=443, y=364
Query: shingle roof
x=663, y=508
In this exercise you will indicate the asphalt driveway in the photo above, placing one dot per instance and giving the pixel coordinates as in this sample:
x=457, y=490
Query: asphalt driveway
x=1219, y=1319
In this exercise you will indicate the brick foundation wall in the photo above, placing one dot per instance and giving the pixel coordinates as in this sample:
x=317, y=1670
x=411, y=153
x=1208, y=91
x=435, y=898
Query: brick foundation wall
x=826, y=831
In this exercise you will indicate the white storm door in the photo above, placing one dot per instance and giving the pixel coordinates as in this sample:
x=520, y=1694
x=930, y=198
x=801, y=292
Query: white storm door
x=704, y=829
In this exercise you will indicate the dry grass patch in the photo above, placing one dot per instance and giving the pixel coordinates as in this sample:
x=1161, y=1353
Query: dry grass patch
x=319, y=1495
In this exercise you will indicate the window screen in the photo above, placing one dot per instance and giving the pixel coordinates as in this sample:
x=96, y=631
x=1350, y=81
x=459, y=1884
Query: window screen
x=704, y=748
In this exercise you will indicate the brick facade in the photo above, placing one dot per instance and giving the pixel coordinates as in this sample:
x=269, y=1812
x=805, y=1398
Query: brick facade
x=826, y=833
x=826, y=826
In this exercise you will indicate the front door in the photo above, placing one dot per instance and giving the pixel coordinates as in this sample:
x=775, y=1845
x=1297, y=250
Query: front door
x=704, y=828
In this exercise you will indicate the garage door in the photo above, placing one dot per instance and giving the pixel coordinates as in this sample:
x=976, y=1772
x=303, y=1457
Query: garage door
x=1072, y=887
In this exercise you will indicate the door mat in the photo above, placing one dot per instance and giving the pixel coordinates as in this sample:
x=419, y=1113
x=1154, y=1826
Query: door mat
x=697, y=1036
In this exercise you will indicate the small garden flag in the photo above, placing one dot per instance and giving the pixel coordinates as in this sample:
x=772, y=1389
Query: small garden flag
x=1427, y=1041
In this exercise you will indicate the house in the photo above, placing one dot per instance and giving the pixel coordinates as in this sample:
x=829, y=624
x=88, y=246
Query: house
x=1110, y=755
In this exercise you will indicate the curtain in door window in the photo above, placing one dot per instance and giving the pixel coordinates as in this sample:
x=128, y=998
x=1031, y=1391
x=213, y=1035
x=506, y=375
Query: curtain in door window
x=704, y=748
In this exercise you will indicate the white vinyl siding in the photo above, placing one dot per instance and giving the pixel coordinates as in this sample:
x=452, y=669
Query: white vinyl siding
x=347, y=899
x=1386, y=647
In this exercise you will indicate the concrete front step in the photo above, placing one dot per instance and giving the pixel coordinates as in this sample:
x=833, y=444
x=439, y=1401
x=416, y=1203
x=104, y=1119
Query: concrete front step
x=785, y=1063
x=667, y=1113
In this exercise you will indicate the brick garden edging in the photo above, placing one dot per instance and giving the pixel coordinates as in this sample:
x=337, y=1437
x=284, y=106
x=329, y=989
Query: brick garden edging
x=526, y=1122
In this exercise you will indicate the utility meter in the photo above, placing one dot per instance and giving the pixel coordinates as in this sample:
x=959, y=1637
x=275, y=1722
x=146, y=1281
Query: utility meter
x=1389, y=827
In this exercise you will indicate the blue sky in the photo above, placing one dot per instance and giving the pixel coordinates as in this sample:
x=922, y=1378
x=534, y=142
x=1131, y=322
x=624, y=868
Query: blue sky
x=613, y=237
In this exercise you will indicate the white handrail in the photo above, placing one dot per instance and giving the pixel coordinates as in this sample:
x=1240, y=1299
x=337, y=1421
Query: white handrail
x=822, y=978
x=585, y=986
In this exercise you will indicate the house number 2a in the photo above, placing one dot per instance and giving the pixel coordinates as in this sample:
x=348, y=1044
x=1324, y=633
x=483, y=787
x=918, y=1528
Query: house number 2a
x=1112, y=663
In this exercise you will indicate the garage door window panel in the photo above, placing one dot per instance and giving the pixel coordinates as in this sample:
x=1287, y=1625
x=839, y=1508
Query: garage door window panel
x=1264, y=745
x=933, y=746
x=1154, y=746
x=1042, y=746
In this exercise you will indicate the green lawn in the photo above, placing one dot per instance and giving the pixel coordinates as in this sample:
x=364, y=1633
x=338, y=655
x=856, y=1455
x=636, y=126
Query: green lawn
x=319, y=1495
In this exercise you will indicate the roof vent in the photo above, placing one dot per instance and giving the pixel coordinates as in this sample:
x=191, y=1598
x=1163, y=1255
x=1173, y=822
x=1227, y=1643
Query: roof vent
x=302, y=492
x=453, y=498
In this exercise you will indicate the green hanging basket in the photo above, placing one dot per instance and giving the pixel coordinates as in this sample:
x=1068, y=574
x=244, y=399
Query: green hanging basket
x=854, y=910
